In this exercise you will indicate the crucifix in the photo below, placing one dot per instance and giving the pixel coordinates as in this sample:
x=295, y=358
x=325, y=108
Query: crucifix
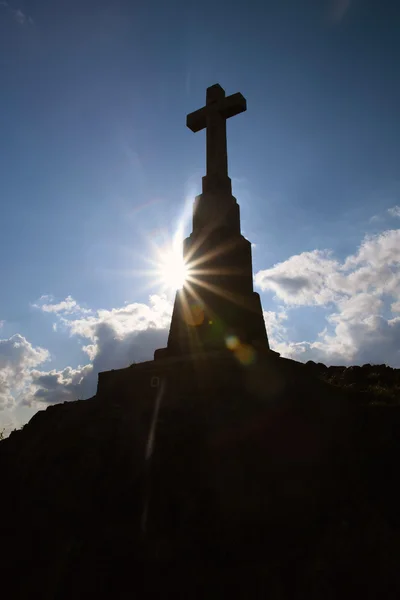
x=213, y=118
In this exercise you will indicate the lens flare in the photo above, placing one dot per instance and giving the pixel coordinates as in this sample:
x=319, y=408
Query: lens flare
x=244, y=353
x=232, y=342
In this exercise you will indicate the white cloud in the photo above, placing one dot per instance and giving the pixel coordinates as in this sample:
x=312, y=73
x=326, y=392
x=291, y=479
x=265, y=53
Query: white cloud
x=359, y=306
x=303, y=279
x=91, y=350
x=121, y=336
x=275, y=328
x=56, y=386
x=67, y=306
x=315, y=278
x=355, y=290
x=17, y=358
x=395, y=307
x=122, y=321
x=118, y=338
x=377, y=251
x=372, y=340
x=394, y=211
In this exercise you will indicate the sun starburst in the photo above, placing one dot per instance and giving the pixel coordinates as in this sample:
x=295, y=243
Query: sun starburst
x=173, y=271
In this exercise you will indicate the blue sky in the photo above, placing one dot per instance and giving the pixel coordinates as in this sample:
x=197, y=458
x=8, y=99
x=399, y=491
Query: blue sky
x=98, y=173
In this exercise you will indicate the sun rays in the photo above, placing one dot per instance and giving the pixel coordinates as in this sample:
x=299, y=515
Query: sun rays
x=199, y=270
x=196, y=272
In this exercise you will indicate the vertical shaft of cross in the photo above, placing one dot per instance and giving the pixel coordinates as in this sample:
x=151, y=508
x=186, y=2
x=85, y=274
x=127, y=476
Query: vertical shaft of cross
x=217, y=155
x=216, y=145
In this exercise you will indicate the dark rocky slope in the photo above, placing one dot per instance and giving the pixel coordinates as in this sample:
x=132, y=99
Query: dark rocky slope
x=292, y=495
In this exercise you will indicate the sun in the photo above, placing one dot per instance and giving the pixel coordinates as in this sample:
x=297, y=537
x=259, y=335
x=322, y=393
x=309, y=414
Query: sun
x=172, y=269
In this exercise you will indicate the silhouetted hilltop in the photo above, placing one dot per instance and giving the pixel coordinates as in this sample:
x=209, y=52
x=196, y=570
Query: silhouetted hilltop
x=377, y=383
x=289, y=494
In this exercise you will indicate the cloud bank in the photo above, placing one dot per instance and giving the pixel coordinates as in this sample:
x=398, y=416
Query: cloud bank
x=114, y=339
x=362, y=292
x=17, y=359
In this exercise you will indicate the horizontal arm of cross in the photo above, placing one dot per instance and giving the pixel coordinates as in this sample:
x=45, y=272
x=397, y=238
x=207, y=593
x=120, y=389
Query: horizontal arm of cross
x=233, y=105
x=196, y=121
x=228, y=107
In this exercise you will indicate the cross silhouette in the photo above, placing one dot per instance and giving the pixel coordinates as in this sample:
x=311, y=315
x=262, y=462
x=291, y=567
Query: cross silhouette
x=213, y=118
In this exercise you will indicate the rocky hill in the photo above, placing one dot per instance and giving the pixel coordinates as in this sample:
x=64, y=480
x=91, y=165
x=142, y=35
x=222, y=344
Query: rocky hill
x=289, y=496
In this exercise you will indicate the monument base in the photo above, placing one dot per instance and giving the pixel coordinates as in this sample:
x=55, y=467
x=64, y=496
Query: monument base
x=163, y=353
x=198, y=374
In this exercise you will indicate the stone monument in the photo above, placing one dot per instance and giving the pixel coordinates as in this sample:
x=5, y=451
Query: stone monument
x=217, y=302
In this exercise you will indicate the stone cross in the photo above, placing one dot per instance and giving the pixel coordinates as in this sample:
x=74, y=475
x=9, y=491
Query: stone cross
x=213, y=118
